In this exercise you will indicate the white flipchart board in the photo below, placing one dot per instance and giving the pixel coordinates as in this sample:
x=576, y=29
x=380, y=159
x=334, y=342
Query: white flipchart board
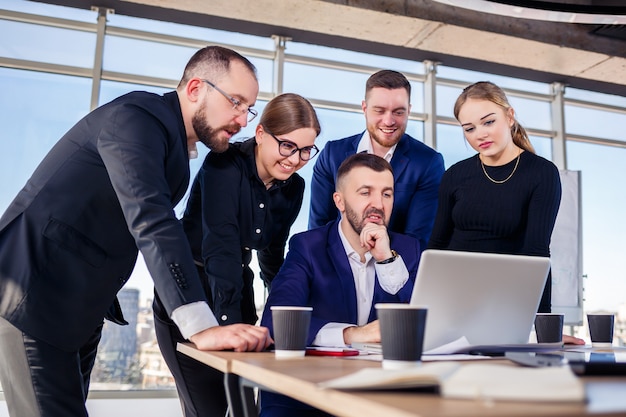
x=566, y=252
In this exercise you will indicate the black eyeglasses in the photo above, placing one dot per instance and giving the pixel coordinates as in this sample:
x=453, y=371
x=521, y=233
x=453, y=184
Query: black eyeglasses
x=288, y=148
x=237, y=104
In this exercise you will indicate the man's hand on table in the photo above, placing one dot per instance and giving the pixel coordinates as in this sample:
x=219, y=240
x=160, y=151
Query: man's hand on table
x=571, y=340
x=239, y=337
x=362, y=334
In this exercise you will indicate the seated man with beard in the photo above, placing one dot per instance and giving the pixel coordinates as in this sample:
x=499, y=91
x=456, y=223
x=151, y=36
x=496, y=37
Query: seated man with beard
x=344, y=268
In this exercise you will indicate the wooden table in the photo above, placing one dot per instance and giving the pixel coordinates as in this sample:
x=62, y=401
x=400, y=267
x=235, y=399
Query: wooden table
x=298, y=379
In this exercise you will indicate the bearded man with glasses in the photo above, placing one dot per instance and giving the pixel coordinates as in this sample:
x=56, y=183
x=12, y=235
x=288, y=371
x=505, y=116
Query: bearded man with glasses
x=70, y=238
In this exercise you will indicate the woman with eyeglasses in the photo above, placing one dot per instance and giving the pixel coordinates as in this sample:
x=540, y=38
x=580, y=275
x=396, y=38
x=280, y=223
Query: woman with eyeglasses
x=243, y=199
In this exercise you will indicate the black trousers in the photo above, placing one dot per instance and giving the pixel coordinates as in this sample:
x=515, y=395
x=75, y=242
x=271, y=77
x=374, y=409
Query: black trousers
x=40, y=380
x=200, y=387
x=278, y=405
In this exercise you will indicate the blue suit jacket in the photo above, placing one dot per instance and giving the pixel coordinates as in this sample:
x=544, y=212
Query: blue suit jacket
x=317, y=273
x=417, y=171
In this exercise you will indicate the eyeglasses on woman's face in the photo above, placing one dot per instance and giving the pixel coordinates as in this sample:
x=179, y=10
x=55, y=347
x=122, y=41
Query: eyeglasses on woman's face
x=238, y=105
x=287, y=148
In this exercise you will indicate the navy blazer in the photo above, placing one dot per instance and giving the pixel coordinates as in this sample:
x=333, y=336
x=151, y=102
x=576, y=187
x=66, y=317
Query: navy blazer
x=69, y=240
x=417, y=171
x=317, y=273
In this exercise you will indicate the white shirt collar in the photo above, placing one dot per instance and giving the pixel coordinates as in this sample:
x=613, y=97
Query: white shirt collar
x=365, y=145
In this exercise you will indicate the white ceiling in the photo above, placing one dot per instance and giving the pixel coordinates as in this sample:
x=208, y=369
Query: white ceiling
x=396, y=30
x=413, y=29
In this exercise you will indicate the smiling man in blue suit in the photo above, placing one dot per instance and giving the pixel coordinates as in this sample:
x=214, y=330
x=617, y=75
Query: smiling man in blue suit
x=417, y=168
x=344, y=268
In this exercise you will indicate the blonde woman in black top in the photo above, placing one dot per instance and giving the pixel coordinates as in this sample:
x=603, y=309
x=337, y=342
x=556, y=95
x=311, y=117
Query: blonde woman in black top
x=505, y=198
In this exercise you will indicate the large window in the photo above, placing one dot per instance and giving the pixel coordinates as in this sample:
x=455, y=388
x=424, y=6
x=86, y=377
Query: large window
x=36, y=108
x=47, y=85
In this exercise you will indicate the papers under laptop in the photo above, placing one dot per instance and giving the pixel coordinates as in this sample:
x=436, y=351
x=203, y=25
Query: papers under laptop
x=477, y=301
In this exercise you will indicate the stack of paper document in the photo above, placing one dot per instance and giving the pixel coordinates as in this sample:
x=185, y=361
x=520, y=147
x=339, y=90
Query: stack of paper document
x=475, y=380
x=462, y=346
x=428, y=374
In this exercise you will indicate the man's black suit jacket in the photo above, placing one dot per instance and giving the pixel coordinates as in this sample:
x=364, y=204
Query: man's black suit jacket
x=69, y=240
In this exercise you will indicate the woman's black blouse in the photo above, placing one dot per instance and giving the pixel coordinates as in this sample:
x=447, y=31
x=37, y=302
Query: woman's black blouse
x=229, y=213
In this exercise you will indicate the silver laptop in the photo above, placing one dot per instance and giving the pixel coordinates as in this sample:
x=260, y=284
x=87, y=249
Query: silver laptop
x=490, y=299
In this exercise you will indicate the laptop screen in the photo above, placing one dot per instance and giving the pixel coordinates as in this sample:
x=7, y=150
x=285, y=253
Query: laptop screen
x=487, y=298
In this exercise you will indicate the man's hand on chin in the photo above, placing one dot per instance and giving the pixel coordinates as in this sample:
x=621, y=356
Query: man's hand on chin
x=375, y=238
x=238, y=337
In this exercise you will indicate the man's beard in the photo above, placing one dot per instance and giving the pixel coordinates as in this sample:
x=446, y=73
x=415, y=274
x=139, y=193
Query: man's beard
x=357, y=222
x=208, y=135
x=387, y=143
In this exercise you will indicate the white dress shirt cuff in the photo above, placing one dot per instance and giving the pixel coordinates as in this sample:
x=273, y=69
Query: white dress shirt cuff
x=392, y=276
x=331, y=335
x=193, y=318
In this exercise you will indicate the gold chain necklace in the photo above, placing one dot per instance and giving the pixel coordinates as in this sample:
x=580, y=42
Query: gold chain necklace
x=519, y=153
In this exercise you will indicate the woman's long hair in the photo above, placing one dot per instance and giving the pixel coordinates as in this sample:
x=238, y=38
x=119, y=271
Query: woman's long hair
x=485, y=90
x=288, y=112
